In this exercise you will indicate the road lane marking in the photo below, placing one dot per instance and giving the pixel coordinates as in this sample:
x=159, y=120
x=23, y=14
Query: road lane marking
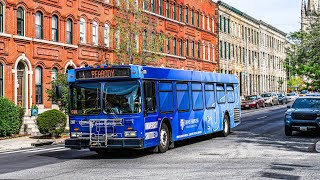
x=33, y=150
x=262, y=117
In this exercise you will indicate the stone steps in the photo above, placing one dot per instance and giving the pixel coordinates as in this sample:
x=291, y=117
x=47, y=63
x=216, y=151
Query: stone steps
x=29, y=126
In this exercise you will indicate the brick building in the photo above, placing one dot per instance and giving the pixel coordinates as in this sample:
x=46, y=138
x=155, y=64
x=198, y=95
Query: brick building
x=38, y=38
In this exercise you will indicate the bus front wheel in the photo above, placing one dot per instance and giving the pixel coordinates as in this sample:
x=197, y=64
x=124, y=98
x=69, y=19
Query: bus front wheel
x=164, y=138
x=226, y=126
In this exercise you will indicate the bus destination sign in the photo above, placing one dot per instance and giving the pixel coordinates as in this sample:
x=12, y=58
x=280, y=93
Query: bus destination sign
x=103, y=73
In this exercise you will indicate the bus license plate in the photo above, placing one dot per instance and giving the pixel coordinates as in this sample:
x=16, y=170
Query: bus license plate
x=303, y=128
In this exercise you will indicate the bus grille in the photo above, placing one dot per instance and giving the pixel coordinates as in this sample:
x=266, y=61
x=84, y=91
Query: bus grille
x=236, y=115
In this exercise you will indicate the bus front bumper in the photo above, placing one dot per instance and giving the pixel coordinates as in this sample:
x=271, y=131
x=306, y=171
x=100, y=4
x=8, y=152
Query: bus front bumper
x=79, y=143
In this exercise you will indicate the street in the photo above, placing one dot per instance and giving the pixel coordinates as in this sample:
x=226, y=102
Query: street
x=257, y=149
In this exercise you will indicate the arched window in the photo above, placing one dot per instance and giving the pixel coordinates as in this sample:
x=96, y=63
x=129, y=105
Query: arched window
x=1, y=80
x=192, y=17
x=168, y=9
x=192, y=49
x=181, y=47
x=174, y=11
x=95, y=33
x=106, y=35
x=175, y=46
x=55, y=33
x=20, y=21
x=69, y=31
x=82, y=30
x=198, y=19
x=199, y=50
x=187, y=15
x=187, y=47
x=39, y=85
x=1, y=17
x=39, y=22
x=153, y=6
x=54, y=74
x=168, y=45
x=180, y=13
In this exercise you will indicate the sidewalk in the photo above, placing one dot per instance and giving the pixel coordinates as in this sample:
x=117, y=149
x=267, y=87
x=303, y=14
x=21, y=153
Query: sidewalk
x=26, y=142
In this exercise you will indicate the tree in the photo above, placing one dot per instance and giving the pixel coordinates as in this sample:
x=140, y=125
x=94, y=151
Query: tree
x=303, y=54
x=132, y=23
x=63, y=101
x=295, y=83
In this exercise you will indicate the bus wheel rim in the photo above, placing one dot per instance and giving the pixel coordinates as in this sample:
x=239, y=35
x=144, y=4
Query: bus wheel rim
x=163, y=138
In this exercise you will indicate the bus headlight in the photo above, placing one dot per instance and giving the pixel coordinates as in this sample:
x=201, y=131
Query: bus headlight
x=76, y=134
x=130, y=134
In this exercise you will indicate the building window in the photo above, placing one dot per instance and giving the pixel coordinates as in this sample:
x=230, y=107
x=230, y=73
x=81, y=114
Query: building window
x=198, y=19
x=221, y=49
x=225, y=50
x=55, y=33
x=69, y=31
x=1, y=17
x=20, y=21
x=117, y=38
x=54, y=74
x=153, y=6
x=82, y=30
x=168, y=9
x=180, y=13
x=95, y=33
x=192, y=17
x=1, y=80
x=174, y=11
x=175, y=46
x=145, y=4
x=224, y=25
x=38, y=85
x=192, y=49
x=168, y=45
x=220, y=22
x=199, y=50
x=187, y=15
x=160, y=7
x=187, y=47
x=181, y=47
x=106, y=35
x=228, y=26
x=39, y=22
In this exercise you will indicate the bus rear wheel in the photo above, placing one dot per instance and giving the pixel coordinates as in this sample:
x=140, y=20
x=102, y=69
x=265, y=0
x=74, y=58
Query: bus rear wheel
x=164, y=138
x=226, y=126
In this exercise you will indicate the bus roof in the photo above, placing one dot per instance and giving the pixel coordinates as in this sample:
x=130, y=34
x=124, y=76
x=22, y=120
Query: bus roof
x=148, y=72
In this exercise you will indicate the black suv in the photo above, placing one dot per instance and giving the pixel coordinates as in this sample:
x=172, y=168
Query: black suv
x=304, y=115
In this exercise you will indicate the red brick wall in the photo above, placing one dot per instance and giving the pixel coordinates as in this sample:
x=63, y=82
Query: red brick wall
x=48, y=55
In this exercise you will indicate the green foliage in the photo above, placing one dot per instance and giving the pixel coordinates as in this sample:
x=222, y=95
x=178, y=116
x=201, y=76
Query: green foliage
x=133, y=22
x=295, y=83
x=63, y=101
x=10, y=117
x=303, y=54
x=52, y=122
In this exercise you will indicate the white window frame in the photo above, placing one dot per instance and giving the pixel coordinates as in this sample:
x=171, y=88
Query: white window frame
x=83, y=34
x=106, y=35
x=95, y=35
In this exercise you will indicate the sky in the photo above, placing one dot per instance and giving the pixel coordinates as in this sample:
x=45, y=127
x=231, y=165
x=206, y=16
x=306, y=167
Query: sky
x=282, y=14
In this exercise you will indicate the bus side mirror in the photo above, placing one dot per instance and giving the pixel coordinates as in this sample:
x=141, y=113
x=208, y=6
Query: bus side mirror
x=58, y=91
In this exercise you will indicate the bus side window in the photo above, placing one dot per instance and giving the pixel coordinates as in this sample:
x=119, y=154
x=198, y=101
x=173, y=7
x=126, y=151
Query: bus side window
x=182, y=97
x=221, y=95
x=209, y=94
x=230, y=93
x=165, y=97
x=197, y=97
x=150, y=96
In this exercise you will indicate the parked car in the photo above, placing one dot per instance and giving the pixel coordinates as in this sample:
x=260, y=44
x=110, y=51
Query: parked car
x=304, y=115
x=270, y=98
x=292, y=96
x=253, y=101
x=304, y=93
x=282, y=98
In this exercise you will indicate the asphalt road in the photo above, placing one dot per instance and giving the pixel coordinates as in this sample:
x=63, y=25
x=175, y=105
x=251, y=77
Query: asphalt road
x=257, y=149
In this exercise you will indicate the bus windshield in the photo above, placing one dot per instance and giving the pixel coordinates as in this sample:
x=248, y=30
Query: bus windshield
x=122, y=97
x=85, y=99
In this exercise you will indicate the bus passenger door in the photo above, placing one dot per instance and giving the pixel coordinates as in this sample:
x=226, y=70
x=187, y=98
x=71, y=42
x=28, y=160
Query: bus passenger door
x=151, y=123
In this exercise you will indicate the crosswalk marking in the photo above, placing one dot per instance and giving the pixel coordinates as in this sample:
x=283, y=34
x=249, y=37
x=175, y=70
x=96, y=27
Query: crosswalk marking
x=34, y=150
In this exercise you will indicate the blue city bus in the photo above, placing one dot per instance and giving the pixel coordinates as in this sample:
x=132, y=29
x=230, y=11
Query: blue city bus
x=131, y=106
